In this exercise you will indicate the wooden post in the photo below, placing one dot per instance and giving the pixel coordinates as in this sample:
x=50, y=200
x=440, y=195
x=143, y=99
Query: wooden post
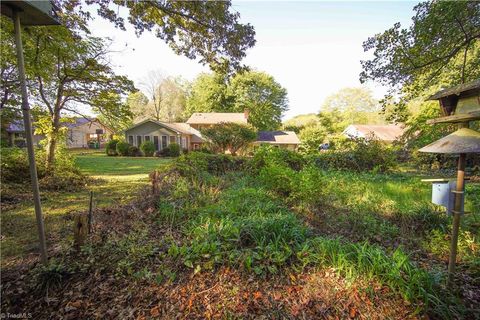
x=90, y=213
x=154, y=177
x=28, y=134
x=80, y=230
x=456, y=217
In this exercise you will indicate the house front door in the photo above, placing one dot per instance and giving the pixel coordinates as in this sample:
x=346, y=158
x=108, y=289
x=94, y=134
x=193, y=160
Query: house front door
x=156, y=143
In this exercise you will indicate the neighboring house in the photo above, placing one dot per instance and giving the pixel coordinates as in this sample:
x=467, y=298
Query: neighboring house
x=16, y=134
x=79, y=134
x=207, y=119
x=385, y=133
x=282, y=139
x=162, y=134
x=83, y=131
x=188, y=134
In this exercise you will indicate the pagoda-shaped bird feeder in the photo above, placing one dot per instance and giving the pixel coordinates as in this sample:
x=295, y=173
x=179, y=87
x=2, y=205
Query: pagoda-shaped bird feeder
x=461, y=105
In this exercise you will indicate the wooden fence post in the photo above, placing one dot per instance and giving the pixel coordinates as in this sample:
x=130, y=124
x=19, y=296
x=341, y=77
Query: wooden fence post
x=90, y=213
x=80, y=230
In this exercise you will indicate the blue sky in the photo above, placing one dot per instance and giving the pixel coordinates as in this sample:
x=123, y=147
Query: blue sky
x=312, y=48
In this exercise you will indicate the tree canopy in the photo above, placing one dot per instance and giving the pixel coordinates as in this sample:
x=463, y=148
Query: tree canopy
x=66, y=73
x=265, y=98
x=440, y=48
x=350, y=106
x=207, y=30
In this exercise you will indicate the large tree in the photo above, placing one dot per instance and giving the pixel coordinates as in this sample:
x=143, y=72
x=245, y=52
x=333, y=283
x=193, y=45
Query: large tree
x=68, y=73
x=166, y=99
x=264, y=97
x=440, y=48
x=151, y=85
x=349, y=106
x=208, y=93
x=207, y=30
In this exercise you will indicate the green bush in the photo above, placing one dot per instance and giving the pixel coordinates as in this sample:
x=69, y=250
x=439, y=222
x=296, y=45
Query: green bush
x=194, y=163
x=64, y=176
x=134, y=151
x=111, y=147
x=122, y=148
x=174, y=150
x=266, y=155
x=148, y=148
x=14, y=165
x=165, y=152
x=358, y=155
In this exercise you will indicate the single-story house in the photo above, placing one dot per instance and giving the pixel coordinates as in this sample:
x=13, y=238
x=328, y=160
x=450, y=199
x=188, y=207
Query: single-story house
x=163, y=133
x=188, y=136
x=79, y=134
x=83, y=131
x=16, y=134
x=385, y=133
x=282, y=139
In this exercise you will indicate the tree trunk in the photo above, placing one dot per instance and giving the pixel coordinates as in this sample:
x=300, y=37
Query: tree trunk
x=51, y=145
x=52, y=141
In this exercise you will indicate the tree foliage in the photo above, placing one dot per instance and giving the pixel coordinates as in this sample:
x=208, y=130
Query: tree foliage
x=440, y=48
x=207, y=30
x=208, y=93
x=265, y=98
x=229, y=136
x=67, y=73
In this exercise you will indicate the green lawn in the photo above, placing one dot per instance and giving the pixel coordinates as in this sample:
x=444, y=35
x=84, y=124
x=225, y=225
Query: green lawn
x=116, y=181
x=98, y=165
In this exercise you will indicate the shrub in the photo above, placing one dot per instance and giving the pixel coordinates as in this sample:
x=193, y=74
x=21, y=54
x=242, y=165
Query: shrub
x=165, y=152
x=174, y=150
x=111, y=147
x=122, y=148
x=148, y=148
x=358, y=155
x=133, y=151
x=196, y=162
x=266, y=155
x=15, y=167
x=229, y=136
x=64, y=175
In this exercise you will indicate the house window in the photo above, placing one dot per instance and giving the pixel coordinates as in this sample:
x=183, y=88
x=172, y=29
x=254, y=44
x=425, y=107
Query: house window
x=196, y=146
x=147, y=138
x=156, y=143
x=184, y=142
x=139, y=141
x=164, y=142
x=130, y=140
x=173, y=139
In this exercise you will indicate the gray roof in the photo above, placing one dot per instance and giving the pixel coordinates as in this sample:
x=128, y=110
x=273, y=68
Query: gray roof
x=17, y=125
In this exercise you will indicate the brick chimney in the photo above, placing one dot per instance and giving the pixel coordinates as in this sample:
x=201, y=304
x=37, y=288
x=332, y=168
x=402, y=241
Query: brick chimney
x=246, y=113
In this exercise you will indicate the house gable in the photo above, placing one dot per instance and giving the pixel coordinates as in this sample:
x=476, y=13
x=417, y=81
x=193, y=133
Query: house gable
x=150, y=127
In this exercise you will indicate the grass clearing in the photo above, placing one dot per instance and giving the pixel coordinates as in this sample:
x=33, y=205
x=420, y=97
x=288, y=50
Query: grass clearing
x=117, y=180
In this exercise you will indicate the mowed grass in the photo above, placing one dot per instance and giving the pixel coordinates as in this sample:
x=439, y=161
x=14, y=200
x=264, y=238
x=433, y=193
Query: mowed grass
x=116, y=181
x=98, y=165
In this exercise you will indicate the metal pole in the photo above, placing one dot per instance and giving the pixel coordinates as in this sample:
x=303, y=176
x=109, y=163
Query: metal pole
x=28, y=134
x=456, y=217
